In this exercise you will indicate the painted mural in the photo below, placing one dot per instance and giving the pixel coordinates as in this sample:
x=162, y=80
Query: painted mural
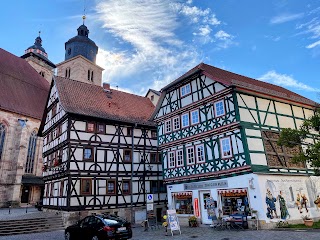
x=292, y=197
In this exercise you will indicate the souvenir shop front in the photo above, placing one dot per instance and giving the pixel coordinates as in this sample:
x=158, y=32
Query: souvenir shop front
x=234, y=201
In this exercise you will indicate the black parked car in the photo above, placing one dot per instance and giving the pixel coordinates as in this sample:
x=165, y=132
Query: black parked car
x=99, y=227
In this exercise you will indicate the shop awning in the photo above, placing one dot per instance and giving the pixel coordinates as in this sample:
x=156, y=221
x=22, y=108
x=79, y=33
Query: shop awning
x=233, y=190
x=182, y=194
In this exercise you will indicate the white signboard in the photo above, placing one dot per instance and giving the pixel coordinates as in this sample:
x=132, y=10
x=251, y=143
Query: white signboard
x=149, y=198
x=172, y=220
x=149, y=206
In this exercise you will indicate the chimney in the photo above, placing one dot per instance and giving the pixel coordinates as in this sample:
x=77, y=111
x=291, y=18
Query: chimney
x=106, y=87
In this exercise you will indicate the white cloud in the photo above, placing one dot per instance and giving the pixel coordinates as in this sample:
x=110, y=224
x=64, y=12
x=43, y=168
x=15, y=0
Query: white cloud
x=222, y=35
x=285, y=18
x=315, y=44
x=285, y=81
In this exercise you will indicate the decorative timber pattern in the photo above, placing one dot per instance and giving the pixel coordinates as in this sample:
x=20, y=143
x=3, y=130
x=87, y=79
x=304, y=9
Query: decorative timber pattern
x=99, y=164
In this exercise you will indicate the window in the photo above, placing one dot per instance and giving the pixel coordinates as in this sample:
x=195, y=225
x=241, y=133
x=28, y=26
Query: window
x=185, y=120
x=195, y=117
x=88, y=153
x=61, y=188
x=54, y=110
x=2, y=138
x=200, y=153
x=111, y=187
x=68, y=70
x=168, y=126
x=129, y=131
x=86, y=186
x=100, y=128
x=51, y=189
x=226, y=147
x=142, y=157
x=190, y=155
x=182, y=202
x=41, y=73
x=171, y=160
x=91, y=76
x=153, y=157
x=219, y=108
x=31, y=152
x=152, y=98
x=180, y=158
x=127, y=155
x=154, y=134
x=126, y=187
x=185, y=90
x=90, y=127
x=154, y=186
x=176, y=123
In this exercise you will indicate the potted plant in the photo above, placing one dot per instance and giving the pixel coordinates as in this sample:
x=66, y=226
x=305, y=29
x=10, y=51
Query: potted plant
x=193, y=221
x=307, y=221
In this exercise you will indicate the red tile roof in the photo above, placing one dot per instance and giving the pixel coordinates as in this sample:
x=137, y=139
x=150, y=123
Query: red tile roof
x=22, y=89
x=241, y=82
x=91, y=100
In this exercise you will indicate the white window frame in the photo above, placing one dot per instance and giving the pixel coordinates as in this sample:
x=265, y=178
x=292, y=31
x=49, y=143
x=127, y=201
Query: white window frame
x=171, y=159
x=215, y=108
x=184, y=91
x=182, y=125
x=179, y=157
x=200, y=158
x=189, y=156
x=228, y=139
x=176, y=122
x=166, y=124
x=191, y=116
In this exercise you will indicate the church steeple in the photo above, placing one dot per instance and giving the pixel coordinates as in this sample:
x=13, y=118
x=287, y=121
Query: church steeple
x=37, y=57
x=81, y=45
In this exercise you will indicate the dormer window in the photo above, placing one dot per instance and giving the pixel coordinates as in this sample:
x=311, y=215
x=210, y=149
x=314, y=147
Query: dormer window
x=41, y=73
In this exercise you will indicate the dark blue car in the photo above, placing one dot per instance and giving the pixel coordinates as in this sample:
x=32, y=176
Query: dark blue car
x=99, y=227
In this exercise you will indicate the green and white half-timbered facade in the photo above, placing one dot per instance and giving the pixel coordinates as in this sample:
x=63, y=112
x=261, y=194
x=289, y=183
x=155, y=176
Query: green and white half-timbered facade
x=217, y=133
x=100, y=151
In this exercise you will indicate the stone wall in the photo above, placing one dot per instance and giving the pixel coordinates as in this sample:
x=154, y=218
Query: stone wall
x=41, y=66
x=14, y=157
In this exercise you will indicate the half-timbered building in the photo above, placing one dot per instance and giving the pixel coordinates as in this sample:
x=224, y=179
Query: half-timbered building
x=100, y=150
x=217, y=132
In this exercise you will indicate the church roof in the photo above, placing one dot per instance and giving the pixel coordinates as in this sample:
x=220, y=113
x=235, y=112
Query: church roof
x=91, y=100
x=22, y=89
x=243, y=83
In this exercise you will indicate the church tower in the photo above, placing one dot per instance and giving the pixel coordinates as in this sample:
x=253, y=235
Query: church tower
x=37, y=57
x=80, y=59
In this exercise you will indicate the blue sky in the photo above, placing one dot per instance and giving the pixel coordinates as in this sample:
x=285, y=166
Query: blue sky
x=149, y=43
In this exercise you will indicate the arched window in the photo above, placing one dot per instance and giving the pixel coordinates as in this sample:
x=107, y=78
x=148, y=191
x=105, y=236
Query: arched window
x=91, y=76
x=41, y=73
x=88, y=75
x=31, y=152
x=2, y=137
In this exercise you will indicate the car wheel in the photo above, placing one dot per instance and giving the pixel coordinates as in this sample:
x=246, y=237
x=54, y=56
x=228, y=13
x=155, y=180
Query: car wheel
x=95, y=238
x=67, y=236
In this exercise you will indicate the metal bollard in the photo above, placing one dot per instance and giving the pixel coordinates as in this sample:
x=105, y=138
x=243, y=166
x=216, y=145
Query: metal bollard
x=27, y=208
x=9, y=209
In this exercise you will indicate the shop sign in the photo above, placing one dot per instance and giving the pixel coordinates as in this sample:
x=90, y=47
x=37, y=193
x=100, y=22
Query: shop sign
x=206, y=185
x=196, y=207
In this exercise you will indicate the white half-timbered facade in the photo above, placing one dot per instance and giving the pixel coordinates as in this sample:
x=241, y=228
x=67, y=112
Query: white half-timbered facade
x=218, y=132
x=100, y=150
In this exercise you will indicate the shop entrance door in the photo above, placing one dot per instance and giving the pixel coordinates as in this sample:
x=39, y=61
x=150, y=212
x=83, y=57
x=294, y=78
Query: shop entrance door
x=204, y=212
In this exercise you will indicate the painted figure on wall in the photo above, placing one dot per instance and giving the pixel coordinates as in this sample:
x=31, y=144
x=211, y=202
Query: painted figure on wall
x=271, y=206
x=283, y=207
x=304, y=201
x=317, y=202
x=298, y=202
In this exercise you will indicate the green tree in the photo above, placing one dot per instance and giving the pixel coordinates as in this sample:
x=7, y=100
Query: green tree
x=297, y=137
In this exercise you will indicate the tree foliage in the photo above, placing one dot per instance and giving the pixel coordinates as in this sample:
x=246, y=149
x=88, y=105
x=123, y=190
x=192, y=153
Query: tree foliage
x=297, y=137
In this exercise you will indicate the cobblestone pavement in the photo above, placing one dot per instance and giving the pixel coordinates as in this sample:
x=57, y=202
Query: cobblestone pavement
x=200, y=233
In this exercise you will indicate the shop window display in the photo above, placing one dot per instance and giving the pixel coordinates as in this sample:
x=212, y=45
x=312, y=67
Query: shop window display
x=235, y=202
x=183, y=203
